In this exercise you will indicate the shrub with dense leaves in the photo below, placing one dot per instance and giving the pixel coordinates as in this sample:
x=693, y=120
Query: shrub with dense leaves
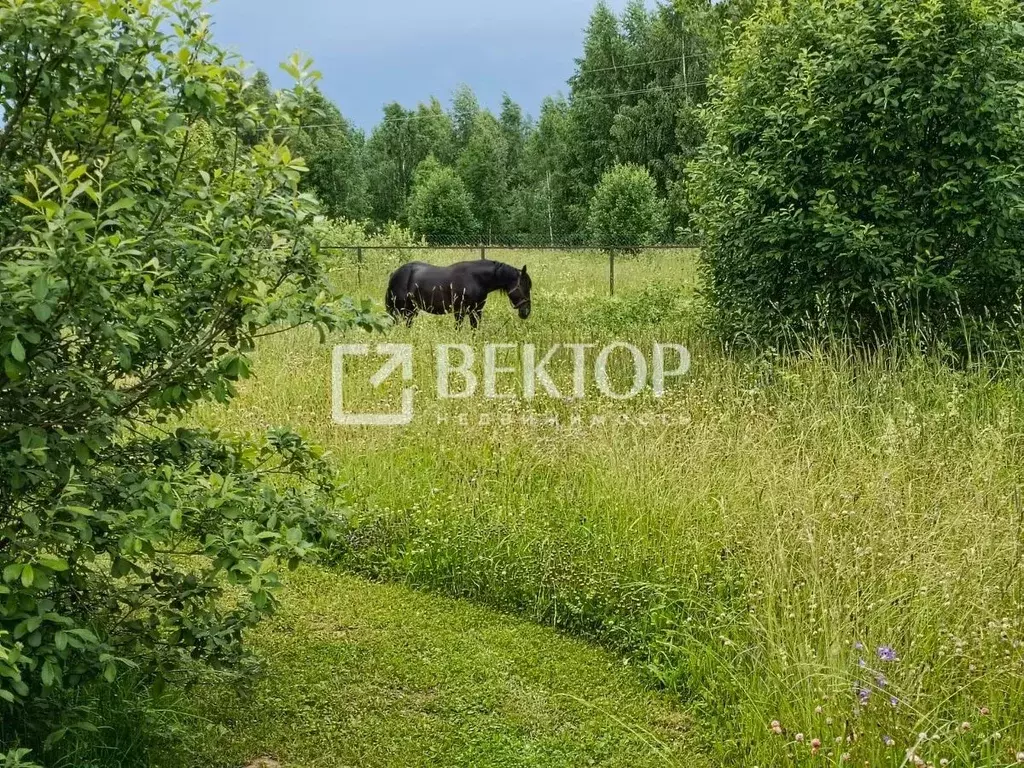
x=143, y=250
x=340, y=240
x=440, y=209
x=626, y=210
x=862, y=169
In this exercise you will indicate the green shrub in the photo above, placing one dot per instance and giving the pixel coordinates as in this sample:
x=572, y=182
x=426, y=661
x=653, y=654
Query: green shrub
x=338, y=239
x=440, y=209
x=862, y=170
x=626, y=210
x=143, y=250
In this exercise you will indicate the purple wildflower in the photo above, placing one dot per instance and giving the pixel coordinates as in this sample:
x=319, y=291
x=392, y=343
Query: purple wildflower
x=863, y=694
x=858, y=646
x=881, y=680
x=888, y=740
x=861, y=663
x=886, y=653
x=894, y=702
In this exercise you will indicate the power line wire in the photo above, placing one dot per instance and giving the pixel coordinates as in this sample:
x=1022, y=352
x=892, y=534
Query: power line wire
x=645, y=63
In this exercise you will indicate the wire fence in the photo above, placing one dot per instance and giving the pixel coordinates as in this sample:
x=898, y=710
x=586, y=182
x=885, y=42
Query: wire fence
x=363, y=255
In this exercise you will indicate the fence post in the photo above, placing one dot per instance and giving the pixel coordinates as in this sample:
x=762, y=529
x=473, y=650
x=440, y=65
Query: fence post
x=359, y=265
x=611, y=271
x=483, y=251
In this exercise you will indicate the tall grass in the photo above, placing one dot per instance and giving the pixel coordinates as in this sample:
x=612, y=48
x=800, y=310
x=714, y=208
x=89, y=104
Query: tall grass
x=822, y=552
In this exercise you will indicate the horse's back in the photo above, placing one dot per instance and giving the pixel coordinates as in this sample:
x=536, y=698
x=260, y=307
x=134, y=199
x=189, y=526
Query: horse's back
x=435, y=289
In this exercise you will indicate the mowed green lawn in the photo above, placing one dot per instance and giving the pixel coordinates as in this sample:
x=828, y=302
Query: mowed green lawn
x=829, y=541
x=358, y=674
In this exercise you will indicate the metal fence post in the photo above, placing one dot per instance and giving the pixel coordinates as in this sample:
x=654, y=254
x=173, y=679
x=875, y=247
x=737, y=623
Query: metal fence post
x=359, y=265
x=611, y=271
x=483, y=251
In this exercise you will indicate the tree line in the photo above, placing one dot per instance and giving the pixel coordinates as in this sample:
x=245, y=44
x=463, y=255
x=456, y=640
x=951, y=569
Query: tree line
x=463, y=174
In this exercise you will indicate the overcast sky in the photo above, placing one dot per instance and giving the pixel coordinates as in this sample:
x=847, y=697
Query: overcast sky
x=375, y=51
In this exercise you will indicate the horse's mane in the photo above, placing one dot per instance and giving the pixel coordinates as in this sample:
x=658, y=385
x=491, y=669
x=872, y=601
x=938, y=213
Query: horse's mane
x=508, y=276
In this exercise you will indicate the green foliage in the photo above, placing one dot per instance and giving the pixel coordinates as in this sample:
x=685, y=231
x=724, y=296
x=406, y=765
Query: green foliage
x=484, y=170
x=333, y=151
x=399, y=143
x=635, y=98
x=17, y=758
x=626, y=209
x=337, y=238
x=347, y=232
x=143, y=250
x=544, y=196
x=863, y=166
x=515, y=129
x=258, y=95
x=592, y=112
x=440, y=208
x=465, y=110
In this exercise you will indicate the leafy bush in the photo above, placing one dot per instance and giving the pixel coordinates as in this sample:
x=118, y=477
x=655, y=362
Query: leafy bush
x=143, y=250
x=862, y=169
x=626, y=210
x=337, y=237
x=440, y=209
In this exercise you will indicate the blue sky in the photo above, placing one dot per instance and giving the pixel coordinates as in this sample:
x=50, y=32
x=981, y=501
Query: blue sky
x=375, y=51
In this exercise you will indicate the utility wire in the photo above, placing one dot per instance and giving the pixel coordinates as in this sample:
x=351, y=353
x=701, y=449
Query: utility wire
x=645, y=63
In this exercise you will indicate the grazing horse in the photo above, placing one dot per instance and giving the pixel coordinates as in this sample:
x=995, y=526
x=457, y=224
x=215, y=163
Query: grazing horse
x=460, y=289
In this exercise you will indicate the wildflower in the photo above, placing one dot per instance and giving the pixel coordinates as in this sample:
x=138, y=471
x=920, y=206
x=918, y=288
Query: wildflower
x=776, y=726
x=894, y=702
x=863, y=694
x=881, y=680
x=943, y=762
x=845, y=757
x=858, y=646
x=985, y=711
x=816, y=745
x=861, y=663
x=818, y=710
x=799, y=738
x=1020, y=757
x=965, y=726
x=828, y=721
x=889, y=741
x=886, y=653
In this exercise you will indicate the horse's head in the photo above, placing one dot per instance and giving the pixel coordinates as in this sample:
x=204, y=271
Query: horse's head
x=519, y=294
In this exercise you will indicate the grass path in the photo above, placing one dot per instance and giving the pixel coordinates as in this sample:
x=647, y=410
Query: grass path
x=368, y=675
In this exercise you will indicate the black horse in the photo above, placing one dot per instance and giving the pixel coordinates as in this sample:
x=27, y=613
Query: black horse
x=460, y=289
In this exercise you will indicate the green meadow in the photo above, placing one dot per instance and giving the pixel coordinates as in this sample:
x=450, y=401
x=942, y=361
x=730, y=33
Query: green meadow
x=816, y=557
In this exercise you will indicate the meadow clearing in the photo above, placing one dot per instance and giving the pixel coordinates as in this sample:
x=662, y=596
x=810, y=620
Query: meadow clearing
x=817, y=555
